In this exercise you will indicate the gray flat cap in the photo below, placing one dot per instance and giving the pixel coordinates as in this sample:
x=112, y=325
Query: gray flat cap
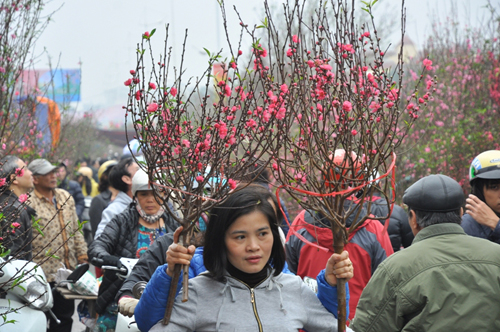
x=434, y=193
x=41, y=167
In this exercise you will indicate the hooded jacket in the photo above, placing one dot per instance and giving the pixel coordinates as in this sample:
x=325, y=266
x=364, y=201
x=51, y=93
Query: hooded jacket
x=119, y=238
x=368, y=246
x=281, y=303
x=151, y=310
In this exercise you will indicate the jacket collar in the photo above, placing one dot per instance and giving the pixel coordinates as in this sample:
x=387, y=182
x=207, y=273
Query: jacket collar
x=437, y=230
x=123, y=197
x=234, y=282
x=14, y=201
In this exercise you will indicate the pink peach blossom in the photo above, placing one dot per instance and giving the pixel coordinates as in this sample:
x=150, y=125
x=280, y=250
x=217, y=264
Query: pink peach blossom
x=347, y=106
x=222, y=130
x=232, y=183
x=22, y=198
x=281, y=113
x=19, y=172
x=427, y=64
x=227, y=91
x=153, y=107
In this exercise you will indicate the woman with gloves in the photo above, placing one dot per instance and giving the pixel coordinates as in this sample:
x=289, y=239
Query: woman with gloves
x=127, y=235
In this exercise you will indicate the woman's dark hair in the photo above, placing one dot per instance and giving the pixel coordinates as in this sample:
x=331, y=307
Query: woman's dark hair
x=86, y=184
x=478, y=186
x=257, y=172
x=241, y=202
x=104, y=181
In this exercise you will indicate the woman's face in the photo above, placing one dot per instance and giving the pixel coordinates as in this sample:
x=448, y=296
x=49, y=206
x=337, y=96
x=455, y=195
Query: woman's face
x=491, y=193
x=147, y=201
x=249, y=242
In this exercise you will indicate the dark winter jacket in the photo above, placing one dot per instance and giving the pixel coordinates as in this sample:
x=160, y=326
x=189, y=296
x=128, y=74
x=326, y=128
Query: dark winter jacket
x=368, y=246
x=473, y=228
x=19, y=243
x=99, y=203
x=399, y=228
x=76, y=191
x=119, y=239
x=154, y=256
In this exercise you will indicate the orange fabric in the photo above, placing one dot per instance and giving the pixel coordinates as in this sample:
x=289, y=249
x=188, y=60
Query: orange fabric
x=54, y=118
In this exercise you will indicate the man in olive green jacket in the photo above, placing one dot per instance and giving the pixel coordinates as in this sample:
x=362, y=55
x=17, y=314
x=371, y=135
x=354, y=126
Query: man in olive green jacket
x=445, y=281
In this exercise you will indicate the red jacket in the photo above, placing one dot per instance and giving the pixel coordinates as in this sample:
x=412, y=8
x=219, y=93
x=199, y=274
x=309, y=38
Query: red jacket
x=368, y=246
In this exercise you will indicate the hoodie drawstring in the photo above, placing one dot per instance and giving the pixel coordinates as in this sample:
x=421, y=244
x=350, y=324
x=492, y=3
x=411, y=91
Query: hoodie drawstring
x=279, y=286
x=233, y=299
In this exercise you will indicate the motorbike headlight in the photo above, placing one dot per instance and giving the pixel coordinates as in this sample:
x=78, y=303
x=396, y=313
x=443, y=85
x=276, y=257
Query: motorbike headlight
x=37, y=293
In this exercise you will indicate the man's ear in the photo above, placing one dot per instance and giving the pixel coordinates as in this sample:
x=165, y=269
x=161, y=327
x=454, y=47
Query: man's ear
x=461, y=212
x=13, y=179
x=412, y=219
x=127, y=179
x=35, y=179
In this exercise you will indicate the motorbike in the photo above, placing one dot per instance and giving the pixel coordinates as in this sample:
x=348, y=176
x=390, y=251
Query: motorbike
x=124, y=323
x=27, y=296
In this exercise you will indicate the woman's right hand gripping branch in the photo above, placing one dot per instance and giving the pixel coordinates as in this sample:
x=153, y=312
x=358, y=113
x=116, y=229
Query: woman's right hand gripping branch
x=178, y=254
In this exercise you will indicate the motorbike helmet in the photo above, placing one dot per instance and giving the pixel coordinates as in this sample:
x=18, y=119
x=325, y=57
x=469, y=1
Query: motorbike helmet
x=343, y=165
x=104, y=167
x=485, y=166
x=140, y=182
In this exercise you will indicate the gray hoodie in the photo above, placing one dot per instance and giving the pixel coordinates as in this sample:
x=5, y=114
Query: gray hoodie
x=282, y=303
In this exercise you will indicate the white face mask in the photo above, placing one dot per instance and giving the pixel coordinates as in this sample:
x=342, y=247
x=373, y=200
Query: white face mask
x=149, y=218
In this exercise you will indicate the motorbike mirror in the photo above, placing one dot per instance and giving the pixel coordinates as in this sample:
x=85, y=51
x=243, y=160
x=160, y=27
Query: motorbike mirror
x=78, y=272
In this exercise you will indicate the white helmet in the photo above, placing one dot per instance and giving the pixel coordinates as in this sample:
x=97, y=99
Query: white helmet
x=140, y=182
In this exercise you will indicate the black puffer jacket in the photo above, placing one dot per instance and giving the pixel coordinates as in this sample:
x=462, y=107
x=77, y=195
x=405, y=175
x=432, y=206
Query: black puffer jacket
x=399, y=228
x=119, y=239
x=154, y=256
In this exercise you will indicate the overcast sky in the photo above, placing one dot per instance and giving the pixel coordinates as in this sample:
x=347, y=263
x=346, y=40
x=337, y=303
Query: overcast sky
x=102, y=35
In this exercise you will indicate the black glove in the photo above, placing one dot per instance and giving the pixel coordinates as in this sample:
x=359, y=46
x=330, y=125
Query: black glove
x=111, y=260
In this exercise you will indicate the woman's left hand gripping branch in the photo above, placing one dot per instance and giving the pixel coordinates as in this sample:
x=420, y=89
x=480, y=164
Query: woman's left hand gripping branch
x=338, y=266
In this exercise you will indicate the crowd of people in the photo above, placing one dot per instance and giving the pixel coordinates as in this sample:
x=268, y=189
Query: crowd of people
x=435, y=267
